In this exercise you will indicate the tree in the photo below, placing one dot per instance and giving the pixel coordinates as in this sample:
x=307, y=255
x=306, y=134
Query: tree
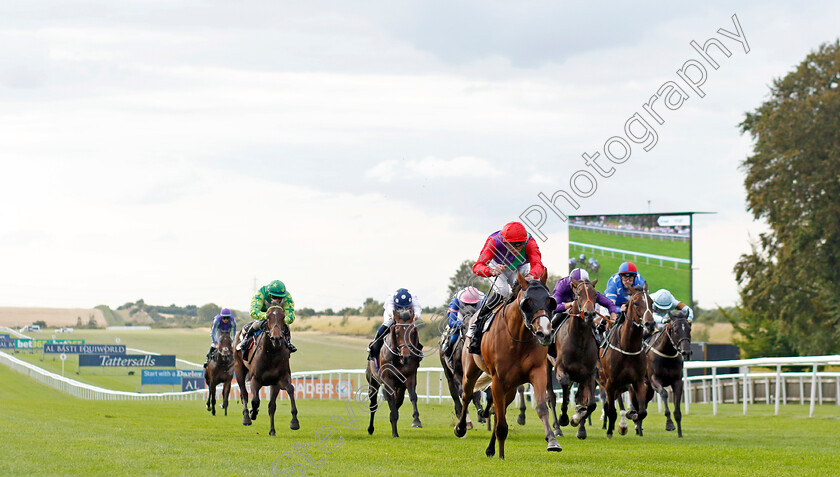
x=789, y=281
x=372, y=307
x=464, y=277
x=207, y=312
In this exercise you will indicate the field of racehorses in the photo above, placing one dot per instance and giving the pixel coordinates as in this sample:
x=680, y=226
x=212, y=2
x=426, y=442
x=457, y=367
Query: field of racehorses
x=49, y=433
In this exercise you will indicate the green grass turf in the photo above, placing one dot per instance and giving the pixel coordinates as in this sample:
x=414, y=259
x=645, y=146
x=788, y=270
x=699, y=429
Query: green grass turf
x=675, y=280
x=316, y=351
x=668, y=248
x=50, y=433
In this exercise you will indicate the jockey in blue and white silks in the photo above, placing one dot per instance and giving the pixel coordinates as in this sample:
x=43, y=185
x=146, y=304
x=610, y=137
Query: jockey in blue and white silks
x=465, y=302
x=663, y=302
x=619, y=285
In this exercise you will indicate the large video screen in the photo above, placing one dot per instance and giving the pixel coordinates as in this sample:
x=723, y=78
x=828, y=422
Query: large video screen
x=659, y=245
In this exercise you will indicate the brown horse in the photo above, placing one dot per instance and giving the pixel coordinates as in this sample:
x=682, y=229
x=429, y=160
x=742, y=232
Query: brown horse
x=268, y=366
x=220, y=371
x=576, y=358
x=623, y=364
x=665, y=355
x=513, y=352
x=395, y=368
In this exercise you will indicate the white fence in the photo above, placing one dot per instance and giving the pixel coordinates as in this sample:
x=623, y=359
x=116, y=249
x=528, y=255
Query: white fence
x=813, y=388
x=625, y=253
x=632, y=233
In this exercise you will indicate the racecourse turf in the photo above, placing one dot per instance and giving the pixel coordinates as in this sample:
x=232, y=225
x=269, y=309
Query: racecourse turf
x=655, y=246
x=47, y=432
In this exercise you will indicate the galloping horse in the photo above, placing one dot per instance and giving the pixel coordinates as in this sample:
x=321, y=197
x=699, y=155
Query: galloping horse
x=624, y=365
x=220, y=370
x=665, y=355
x=513, y=352
x=395, y=368
x=576, y=358
x=269, y=366
x=454, y=371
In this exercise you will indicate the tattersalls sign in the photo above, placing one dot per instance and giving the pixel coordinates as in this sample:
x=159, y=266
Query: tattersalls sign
x=127, y=360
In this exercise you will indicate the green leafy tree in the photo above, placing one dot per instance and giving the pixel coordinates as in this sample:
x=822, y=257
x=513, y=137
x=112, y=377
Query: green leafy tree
x=207, y=312
x=789, y=281
x=372, y=307
x=464, y=277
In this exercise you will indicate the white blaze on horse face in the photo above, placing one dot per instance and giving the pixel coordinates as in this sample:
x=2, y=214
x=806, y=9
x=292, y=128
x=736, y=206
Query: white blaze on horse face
x=545, y=325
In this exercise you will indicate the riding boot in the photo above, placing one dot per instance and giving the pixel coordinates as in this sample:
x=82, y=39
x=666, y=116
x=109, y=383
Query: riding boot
x=376, y=344
x=250, y=330
x=477, y=326
x=208, y=356
x=288, y=336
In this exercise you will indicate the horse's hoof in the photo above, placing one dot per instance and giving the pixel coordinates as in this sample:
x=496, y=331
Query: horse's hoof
x=214, y=412
x=564, y=420
x=520, y=420
x=609, y=436
x=575, y=420
x=558, y=433
x=669, y=426
x=253, y=415
x=395, y=435
x=481, y=420
x=460, y=432
x=246, y=422
x=416, y=424
x=272, y=433
x=553, y=446
x=370, y=430
x=490, y=452
x=295, y=425
x=622, y=431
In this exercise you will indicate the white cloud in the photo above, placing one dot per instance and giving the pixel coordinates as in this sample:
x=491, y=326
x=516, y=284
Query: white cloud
x=463, y=167
x=384, y=171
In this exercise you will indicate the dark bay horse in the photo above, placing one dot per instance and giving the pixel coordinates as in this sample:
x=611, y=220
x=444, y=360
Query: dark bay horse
x=220, y=370
x=269, y=366
x=576, y=358
x=665, y=355
x=453, y=371
x=623, y=364
x=395, y=368
x=513, y=352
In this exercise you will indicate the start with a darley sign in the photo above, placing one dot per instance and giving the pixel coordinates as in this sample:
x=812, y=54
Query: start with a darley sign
x=127, y=360
x=168, y=376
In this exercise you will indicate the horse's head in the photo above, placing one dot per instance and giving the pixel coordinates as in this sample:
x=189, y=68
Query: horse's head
x=584, y=303
x=639, y=307
x=225, y=348
x=404, y=333
x=536, y=304
x=275, y=321
x=678, y=329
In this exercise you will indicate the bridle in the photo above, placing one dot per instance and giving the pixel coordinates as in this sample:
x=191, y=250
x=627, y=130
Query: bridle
x=633, y=319
x=589, y=299
x=676, y=346
x=276, y=321
x=529, y=324
x=399, y=347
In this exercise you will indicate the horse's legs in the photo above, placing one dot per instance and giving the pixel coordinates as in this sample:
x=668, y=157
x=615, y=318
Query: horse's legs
x=394, y=401
x=373, y=393
x=538, y=378
x=669, y=424
x=500, y=427
x=453, y=388
x=255, y=399
x=243, y=391
x=566, y=384
x=638, y=399
x=609, y=408
x=521, y=418
x=272, y=406
x=471, y=374
x=287, y=385
x=225, y=395
x=622, y=422
x=213, y=396
x=211, y=392
x=551, y=401
x=677, y=388
x=411, y=384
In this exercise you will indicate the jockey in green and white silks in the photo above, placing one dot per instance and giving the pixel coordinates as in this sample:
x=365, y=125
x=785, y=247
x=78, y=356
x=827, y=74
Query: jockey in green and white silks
x=275, y=289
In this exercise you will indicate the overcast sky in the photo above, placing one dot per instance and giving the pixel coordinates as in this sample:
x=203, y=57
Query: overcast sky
x=177, y=151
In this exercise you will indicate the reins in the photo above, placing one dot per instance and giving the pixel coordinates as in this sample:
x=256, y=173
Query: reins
x=671, y=339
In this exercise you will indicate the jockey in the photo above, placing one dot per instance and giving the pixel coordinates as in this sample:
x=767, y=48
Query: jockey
x=663, y=302
x=222, y=323
x=463, y=304
x=275, y=289
x=399, y=300
x=505, y=253
x=619, y=285
x=565, y=297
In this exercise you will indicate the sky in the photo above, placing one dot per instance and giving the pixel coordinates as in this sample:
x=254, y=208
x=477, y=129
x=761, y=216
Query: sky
x=184, y=151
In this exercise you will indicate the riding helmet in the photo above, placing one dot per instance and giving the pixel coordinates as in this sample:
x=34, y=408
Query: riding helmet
x=277, y=288
x=225, y=312
x=627, y=267
x=663, y=299
x=470, y=296
x=579, y=274
x=402, y=298
x=514, y=232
